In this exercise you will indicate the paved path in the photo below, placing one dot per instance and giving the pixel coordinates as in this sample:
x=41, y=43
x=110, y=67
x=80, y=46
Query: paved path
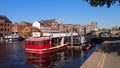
x=92, y=61
x=107, y=56
x=112, y=61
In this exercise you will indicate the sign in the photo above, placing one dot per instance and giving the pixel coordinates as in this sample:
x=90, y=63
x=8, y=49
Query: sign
x=36, y=34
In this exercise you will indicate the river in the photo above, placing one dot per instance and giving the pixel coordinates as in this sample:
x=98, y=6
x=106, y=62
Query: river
x=13, y=55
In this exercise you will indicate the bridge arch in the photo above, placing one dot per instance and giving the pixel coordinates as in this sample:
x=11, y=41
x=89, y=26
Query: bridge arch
x=118, y=33
x=105, y=34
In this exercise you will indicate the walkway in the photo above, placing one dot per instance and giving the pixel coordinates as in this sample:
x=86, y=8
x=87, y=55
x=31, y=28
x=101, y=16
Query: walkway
x=107, y=56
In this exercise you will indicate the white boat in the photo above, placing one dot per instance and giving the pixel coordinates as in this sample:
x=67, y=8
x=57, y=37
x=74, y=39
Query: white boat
x=13, y=37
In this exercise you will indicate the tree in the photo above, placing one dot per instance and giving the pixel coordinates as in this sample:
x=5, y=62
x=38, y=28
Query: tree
x=101, y=3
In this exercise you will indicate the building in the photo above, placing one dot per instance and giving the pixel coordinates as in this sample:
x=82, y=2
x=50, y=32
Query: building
x=15, y=28
x=49, y=25
x=62, y=28
x=87, y=27
x=94, y=26
x=5, y=26
x=69, y=28
x=90, y=27
x=21, y=28
x=77, y=28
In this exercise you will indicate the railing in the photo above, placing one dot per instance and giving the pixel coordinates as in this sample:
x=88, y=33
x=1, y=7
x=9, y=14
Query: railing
x=59, y=34
x=38, y=34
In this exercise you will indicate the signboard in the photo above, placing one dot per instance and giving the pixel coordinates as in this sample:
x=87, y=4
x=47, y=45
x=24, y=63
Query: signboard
x=36, y=34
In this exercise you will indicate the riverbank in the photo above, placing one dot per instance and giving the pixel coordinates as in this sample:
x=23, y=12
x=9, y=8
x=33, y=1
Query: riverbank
x=107, y=56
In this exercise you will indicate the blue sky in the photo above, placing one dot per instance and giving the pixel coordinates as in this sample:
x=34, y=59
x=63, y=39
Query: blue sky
x=72, y=12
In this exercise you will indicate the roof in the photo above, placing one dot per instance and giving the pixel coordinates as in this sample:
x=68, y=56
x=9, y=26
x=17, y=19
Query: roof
x=47, y=21
x=2, y=17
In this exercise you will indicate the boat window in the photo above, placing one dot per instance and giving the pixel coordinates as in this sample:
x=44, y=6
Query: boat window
x=44, y=42
x=37, y=42
x=32, y=43
x=28, y=42
x=48, y=41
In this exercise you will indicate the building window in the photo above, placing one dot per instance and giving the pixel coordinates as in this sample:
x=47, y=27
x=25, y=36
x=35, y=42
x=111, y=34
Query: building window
x=1, y=29
x=1, y=24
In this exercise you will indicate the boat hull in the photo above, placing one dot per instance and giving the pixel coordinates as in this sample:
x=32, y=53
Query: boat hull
x=14, y=39
x=47, y=51
x=2, y=40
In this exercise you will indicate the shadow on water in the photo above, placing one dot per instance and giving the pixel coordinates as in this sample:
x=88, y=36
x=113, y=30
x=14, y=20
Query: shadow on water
x=13, y=55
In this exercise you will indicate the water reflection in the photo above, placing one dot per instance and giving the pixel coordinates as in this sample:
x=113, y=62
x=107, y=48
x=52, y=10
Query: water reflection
x=71, y=58
x=44, y=61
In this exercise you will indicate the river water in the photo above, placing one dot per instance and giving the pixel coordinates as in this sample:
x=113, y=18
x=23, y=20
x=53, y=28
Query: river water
x=13, y=55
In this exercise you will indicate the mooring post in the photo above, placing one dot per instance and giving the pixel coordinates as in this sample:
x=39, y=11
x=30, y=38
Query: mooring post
x=72, y=38
x=84, y=31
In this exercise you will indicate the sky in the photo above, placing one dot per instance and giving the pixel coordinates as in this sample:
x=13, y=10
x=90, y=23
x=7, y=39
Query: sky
x=70, y=11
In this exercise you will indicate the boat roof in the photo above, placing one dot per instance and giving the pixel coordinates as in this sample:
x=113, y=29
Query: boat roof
x=53, y=35
x=38, y=38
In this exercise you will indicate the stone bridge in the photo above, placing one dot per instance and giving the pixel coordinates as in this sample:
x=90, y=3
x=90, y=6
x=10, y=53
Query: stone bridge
x=108, y=32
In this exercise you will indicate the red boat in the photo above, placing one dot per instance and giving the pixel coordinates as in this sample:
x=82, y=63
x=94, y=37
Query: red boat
x=44, y=44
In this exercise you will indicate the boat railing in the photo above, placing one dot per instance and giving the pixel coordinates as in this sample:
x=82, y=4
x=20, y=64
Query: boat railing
x=59, y=34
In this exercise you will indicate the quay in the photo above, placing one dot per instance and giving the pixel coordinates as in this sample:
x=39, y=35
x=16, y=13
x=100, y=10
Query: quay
x=106, y=56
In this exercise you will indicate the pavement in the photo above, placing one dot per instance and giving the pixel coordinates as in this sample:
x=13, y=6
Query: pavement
x=107, y=56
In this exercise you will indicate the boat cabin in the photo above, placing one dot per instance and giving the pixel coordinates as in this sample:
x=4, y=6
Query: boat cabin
x=38, y=43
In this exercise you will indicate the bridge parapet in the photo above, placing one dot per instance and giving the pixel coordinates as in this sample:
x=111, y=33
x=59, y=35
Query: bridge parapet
x=113, y=32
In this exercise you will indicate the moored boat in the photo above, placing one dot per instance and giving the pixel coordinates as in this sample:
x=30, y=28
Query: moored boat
x=44, y=44
x=2, y=40
x=13, y=37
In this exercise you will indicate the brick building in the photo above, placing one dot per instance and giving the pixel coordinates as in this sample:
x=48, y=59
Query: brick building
x=62, y=28
x=15, y=28
x=77, y=28
x=69, y=28
x=93, y=26
x=52, y=26
x=49, y=25
x=5, y=26
x=21, y=28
